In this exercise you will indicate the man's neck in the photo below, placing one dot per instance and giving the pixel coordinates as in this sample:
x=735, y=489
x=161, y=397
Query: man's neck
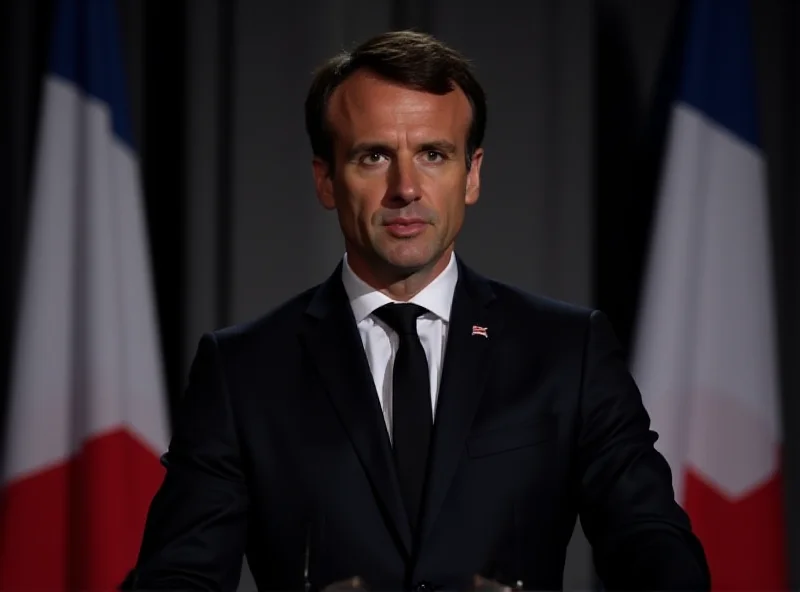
x=397, y=286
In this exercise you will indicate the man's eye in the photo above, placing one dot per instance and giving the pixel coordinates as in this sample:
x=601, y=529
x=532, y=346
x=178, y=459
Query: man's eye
x=434, y=156
x=372, y=158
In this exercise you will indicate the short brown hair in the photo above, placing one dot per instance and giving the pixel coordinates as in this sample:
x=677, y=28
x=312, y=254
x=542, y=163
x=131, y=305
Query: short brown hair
x=409, y=58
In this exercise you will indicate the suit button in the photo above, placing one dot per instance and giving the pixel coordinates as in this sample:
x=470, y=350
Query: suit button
x=423, y=587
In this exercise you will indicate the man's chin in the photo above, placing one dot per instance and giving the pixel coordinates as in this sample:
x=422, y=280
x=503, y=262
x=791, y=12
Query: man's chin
x=411, y=263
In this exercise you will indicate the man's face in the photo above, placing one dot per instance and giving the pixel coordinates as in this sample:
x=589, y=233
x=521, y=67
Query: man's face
x=400, y=184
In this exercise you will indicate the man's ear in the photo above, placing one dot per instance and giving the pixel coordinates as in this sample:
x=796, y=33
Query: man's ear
x=323, y=183
x=474, y=178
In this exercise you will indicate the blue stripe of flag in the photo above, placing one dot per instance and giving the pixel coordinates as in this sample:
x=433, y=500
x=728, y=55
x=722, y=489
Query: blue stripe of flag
x=86, y=50
x=719, y=76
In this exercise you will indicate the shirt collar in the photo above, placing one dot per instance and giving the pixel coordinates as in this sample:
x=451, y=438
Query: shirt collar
x=436, y=297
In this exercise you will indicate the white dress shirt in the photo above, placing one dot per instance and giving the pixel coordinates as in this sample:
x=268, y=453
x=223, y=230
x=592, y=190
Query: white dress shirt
x=380, y=342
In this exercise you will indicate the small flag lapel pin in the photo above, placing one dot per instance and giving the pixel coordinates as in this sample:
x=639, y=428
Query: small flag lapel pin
x=482, y=331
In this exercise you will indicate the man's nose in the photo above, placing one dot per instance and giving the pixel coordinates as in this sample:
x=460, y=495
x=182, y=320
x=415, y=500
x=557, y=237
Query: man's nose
x=404, y=180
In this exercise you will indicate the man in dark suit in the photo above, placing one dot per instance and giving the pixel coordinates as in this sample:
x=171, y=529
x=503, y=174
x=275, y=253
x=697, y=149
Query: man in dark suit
x=408, y=421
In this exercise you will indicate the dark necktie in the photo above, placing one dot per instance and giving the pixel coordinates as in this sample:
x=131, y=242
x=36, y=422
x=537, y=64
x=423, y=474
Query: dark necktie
x=411, y=404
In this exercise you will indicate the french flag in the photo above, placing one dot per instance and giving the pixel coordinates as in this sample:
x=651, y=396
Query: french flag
x=705, y=354
x=87, y=417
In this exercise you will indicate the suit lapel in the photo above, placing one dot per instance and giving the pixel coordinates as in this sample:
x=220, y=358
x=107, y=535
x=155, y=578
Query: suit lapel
x=331, y=337
x=466, y=362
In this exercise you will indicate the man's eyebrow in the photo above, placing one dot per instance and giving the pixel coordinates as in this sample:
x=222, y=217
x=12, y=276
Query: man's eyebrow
x=444, y=146
x=441, y=146
x=367, y=147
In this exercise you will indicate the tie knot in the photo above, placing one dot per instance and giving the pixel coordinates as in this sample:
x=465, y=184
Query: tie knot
x=401, y=317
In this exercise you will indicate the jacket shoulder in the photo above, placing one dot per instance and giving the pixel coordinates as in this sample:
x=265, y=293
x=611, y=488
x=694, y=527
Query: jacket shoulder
x=552, y=322
x=538, y=307
x=274, y=326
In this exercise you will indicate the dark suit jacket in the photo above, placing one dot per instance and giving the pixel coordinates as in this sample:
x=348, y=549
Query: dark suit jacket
x=280, y=451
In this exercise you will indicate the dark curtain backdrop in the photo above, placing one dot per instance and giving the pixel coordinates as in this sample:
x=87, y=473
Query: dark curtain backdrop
x=22, y=57
x=578, y=94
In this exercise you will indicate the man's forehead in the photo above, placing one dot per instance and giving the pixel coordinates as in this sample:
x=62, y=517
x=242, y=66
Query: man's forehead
x=365, y=100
